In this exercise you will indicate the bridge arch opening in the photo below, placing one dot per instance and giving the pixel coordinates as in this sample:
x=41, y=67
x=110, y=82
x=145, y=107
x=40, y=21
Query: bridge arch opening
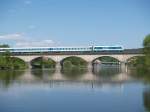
x=135, y=61
x=43, y=62
x=73, y=61
x=106, y=66
x=10, y=62
x=18, y=63
x=106, y=60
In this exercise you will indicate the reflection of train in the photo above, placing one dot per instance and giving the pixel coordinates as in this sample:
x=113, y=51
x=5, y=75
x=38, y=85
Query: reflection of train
x=62, y=49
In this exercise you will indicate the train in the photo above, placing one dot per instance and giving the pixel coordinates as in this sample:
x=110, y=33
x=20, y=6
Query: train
x=115, y=48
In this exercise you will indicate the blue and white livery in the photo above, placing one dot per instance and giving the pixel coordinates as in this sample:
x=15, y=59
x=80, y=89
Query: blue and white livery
x=62, y=49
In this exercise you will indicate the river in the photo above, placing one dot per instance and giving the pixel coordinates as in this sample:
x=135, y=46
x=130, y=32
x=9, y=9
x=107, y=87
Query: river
x=102, y=89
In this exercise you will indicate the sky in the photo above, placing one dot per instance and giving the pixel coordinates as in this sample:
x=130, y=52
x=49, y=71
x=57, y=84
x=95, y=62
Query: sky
x=25, y=23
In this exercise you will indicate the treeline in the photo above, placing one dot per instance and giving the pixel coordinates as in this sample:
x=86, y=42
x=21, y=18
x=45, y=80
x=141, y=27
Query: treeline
x=146, y=51
x=4, y=46
x=143, y=63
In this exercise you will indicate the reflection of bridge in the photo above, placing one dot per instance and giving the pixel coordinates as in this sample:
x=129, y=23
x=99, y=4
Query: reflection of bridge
x=89, y=75
x=122, y=57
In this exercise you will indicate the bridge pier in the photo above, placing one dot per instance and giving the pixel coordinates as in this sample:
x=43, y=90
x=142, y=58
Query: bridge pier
x=58, y=66
x=29, y=65
x=123, y=67
x=89, y=65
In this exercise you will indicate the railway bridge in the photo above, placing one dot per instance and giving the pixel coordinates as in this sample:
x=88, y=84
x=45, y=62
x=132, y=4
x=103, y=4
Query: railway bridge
x=89, y=57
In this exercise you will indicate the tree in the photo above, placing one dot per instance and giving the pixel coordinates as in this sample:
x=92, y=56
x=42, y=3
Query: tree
x=4, y=46
x=74, y=62
x=146, y=44
x=67, y=64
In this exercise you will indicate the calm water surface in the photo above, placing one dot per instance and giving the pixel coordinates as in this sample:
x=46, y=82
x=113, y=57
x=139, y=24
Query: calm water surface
x=103, y=89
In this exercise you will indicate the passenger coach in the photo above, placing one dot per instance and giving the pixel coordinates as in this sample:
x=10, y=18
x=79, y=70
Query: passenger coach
x=63, y=49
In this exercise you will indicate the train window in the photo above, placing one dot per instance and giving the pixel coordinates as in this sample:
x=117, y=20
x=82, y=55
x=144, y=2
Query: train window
x=98, y=47
x=50, y=48
x=115, y=48
x=112, y=47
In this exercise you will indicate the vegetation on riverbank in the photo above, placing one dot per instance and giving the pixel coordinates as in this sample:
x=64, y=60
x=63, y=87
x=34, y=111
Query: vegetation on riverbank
x=4, y=46
x=8, y=62
x=146, y=51
x=107, y=59
x=142, y=63
x=73, y=62
x=43, y=63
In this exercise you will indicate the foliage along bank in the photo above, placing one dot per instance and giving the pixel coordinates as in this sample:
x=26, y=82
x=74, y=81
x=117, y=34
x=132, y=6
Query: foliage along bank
x=41, y=63
x=73, y=62
x=8, y=62
x=142, y=63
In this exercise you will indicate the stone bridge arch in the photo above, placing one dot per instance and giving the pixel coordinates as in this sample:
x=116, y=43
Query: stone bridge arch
x=120, y=57
x=130, y=57
x=103, y=57
x=42, y=61
x=88, y=58
x=27, y=58
x=72, y=56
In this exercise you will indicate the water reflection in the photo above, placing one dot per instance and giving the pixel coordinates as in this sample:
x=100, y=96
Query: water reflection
x=98, y=73
x=146, y=99
x=73, y=73
x=8, y=76
x=101, y=89
x=106, y=71
x=42, y=74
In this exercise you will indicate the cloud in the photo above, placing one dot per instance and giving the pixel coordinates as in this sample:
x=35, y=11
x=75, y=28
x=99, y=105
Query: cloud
x=27, y=2
x=42, y=43
x=31, y=26
x=15, y=37
x=20, y=40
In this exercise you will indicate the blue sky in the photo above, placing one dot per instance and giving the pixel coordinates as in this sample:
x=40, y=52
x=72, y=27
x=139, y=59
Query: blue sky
x=74, y=22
